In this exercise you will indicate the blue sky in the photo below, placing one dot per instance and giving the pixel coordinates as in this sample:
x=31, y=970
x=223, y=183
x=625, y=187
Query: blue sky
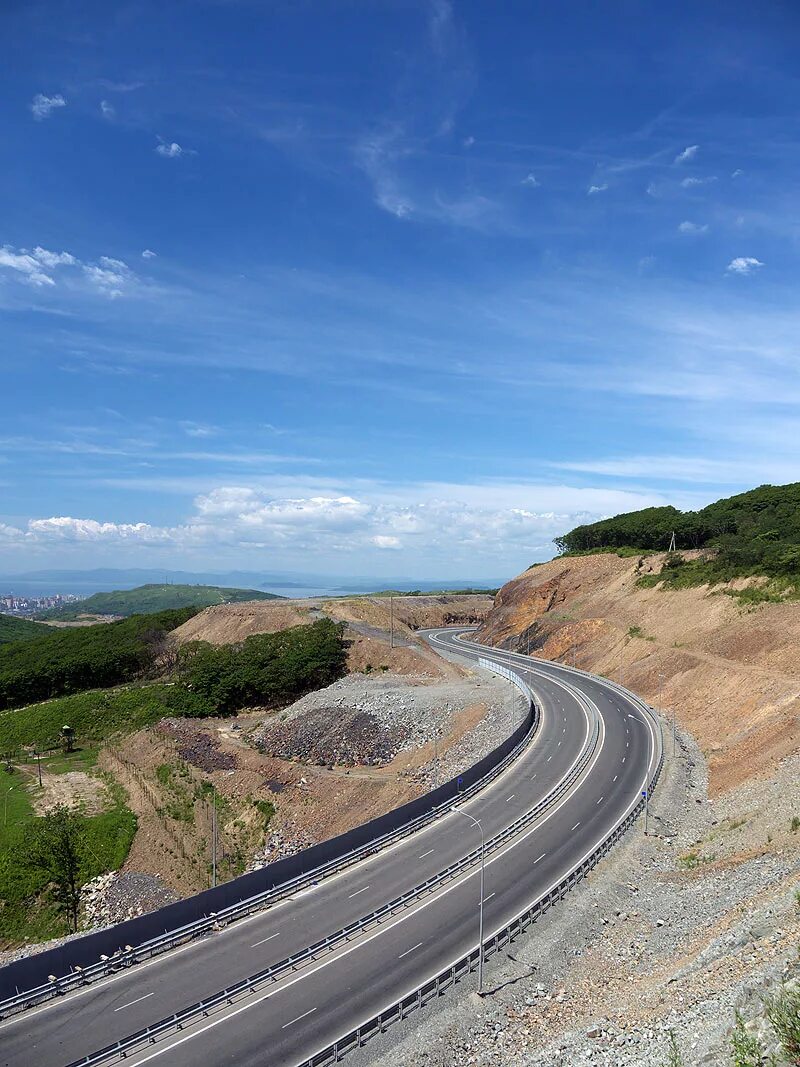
x=389, y=287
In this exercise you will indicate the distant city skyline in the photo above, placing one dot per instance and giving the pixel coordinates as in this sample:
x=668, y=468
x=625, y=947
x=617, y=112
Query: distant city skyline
x=376, y=289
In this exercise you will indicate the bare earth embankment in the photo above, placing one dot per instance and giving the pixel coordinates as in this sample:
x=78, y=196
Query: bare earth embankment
x=679, y=930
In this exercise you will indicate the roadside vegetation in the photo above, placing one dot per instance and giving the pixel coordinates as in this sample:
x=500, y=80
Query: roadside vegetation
x=45, y=859
x=148, y=599
x=754, y=533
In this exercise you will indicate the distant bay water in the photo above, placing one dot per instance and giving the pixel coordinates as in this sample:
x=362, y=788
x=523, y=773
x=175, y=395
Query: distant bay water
x=84, y=583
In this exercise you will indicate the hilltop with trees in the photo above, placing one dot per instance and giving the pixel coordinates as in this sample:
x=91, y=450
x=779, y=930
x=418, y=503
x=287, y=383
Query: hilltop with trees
x=148, y=599
x=753, y=533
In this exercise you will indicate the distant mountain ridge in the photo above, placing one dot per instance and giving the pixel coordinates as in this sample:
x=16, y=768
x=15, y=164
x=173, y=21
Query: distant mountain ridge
x=147, y=599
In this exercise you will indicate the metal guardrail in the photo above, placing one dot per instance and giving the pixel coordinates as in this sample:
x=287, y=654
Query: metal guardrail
x=452, y=974
x=219, y=1001
x=132, y=955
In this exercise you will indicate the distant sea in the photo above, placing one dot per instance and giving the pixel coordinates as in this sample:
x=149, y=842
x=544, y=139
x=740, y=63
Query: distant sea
x=84, y=583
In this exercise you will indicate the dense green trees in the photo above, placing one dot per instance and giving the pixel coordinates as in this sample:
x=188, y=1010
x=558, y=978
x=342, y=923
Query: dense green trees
x=268, y=669
x=89, y=657
x=757, y=532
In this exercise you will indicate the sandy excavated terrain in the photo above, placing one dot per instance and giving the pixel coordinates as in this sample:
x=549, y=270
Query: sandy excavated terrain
x=732, y=676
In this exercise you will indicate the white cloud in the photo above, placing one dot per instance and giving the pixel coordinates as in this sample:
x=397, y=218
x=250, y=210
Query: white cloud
x=64, y=528
x=170, y=150
x=198, y=429
x=594, y=189
x=54, y=259
x=737, y=173
x=30, y=264
x=108, y=111
x=531, y=181
x=148, y=254
x=480, y=525
x=25, y=265
x=691, y=183
x=468, y=142
x=692, y=229
x=43, y=106
x=384, y=541
x=688, y=153
x=110, y=278
x=743, y=265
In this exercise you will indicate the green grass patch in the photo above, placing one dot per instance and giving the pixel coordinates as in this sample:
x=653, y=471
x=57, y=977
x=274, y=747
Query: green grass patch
x=26, y=914
x=96, y=715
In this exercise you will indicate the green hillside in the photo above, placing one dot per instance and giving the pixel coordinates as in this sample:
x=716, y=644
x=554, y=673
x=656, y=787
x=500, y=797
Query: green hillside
x=753, y=533
x=13, y=629
x=146, y=599
x=70, y=660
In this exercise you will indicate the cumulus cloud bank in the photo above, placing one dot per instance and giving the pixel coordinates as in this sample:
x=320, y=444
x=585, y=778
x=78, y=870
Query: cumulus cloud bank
x=482, y=525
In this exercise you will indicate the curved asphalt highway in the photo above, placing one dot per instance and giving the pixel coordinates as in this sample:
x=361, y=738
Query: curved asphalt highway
x=286, y=1022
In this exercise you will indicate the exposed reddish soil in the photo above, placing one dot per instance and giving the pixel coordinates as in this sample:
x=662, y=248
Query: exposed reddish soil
x=731, y=675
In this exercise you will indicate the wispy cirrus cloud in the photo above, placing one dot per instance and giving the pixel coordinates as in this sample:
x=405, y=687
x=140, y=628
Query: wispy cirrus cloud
x=692, y=229
x=694, y=183
x=688, y=153
x=172, y=150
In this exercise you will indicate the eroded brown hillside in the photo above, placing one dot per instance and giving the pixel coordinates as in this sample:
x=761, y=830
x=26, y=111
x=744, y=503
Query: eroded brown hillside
x=732, y=675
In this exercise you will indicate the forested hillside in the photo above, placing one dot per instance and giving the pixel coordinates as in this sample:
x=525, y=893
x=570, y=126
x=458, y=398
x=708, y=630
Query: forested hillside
x=146, y=599
x=13, y=629
x=89, y=657
x=757, y=532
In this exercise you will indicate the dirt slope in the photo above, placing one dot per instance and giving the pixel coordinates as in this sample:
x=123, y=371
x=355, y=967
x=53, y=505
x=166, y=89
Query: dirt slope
x=369, y=620
x=731, y=675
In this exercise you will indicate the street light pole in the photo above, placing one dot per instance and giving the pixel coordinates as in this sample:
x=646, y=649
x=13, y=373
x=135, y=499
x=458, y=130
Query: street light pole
x=472, y=819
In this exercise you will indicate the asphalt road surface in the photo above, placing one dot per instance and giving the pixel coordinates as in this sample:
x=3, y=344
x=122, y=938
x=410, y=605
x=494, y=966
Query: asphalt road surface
x=288, y=1021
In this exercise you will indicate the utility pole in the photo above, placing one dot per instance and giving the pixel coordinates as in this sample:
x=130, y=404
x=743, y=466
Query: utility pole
x=476, y=822
x=213, y=837
x=672, y=544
